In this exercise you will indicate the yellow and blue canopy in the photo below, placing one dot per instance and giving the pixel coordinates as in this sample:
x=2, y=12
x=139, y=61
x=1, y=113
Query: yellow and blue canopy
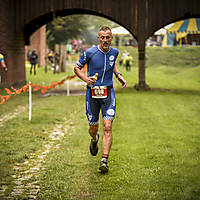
x=184, y=27
x=188, y=25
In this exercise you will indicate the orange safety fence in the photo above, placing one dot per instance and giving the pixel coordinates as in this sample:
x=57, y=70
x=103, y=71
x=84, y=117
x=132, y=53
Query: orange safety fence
x=34, y=87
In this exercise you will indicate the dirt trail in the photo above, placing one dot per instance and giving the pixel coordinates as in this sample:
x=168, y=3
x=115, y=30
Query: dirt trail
x=13, y=114
x=27, y=173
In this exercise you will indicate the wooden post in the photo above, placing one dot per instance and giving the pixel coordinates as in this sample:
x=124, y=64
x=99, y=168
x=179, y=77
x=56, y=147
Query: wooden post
x=30, y=101
x=68, y=90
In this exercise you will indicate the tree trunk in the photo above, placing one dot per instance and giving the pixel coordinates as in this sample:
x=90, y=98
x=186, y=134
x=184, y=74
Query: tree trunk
x=60, y=58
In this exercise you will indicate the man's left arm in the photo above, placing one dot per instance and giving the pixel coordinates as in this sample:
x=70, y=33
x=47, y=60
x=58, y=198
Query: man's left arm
x=119, y=76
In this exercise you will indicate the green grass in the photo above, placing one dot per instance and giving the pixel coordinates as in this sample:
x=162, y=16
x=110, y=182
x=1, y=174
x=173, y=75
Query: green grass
x=156, y=149
x=42, y=78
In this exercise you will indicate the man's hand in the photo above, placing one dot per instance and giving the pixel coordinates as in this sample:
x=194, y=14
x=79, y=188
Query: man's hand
x=122, y=81
x=90, y=80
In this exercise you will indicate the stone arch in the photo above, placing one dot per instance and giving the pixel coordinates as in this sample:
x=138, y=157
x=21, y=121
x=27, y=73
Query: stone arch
x=36, y=23
x=141, y=17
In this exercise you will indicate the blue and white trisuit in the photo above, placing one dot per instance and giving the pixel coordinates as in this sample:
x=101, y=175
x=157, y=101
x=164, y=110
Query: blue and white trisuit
x=102, y=63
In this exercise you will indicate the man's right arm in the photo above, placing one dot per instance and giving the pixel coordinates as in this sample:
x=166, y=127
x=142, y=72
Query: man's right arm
x=82, y=76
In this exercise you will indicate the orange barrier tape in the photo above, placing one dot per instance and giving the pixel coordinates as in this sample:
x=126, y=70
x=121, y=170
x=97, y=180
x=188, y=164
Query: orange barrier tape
x=34, y=87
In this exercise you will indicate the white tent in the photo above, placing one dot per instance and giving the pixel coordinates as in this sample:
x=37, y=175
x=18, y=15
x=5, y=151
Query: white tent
x=163, y=31
x=120, y=30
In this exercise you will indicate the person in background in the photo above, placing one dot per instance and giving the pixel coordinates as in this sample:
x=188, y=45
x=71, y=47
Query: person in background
x=50, y=57
x=124, y=54
x=28, y=55
x=2, y=64
x=33, y=61
x=128, y=62
x=69, y=52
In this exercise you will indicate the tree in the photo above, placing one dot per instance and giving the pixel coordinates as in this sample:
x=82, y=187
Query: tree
x=93, y=25
x=63, y=29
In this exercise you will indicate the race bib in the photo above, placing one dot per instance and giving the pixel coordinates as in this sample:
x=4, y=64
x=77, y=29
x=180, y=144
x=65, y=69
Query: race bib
x=99, y=92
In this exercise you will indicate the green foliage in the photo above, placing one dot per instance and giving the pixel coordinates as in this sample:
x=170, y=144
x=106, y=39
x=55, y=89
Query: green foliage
x=176, y=56
x=93, y=25
x=63, y=29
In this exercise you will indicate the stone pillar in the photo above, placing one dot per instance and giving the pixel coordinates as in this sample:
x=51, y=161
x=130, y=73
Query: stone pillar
x=142, y=29
x=3, y=37
x=142, y=67
x=12, y=47
x=16, y=74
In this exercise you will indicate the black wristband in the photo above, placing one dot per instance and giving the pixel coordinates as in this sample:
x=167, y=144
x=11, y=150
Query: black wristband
x=117, y=74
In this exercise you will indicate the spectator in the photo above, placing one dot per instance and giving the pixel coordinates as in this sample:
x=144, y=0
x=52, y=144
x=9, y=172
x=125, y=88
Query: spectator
x=2, y=64
x=28, y=54
x=33, y=61
x=128, y=62
x=124, y=55
x=69, y=48
x=75, y=45
x=51, y=58
x=69, y=51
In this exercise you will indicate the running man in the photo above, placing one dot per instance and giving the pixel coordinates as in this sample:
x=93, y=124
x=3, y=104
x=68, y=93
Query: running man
x=100, y=93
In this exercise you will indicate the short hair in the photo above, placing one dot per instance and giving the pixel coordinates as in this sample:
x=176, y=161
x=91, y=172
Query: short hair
x=105, y=28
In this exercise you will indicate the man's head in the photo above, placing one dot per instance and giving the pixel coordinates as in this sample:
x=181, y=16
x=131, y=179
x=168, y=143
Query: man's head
x=105, y=37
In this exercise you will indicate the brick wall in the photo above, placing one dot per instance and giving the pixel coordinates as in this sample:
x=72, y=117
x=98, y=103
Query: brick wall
x=12, y=47
x=38, y=42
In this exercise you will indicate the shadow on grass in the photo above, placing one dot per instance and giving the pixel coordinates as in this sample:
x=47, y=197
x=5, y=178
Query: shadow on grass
x=163, y=91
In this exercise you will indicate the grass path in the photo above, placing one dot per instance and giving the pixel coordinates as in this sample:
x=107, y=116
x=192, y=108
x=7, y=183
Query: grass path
x=12, y=114
x=26, y=173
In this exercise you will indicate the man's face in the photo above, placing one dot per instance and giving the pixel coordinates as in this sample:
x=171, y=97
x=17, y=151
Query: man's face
x=105, y=38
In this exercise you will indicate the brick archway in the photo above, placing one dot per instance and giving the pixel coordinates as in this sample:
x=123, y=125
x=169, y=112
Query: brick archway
x=20, y=18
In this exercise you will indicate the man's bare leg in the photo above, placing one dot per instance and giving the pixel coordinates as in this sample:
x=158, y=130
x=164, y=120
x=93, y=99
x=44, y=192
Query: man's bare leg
x=95, y=138
x=93, y=131
x=107, y=138
x=107, y=143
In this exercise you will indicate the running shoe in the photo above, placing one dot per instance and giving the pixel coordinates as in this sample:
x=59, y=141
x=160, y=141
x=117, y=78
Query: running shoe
x=94, y=146
x=103, y=168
